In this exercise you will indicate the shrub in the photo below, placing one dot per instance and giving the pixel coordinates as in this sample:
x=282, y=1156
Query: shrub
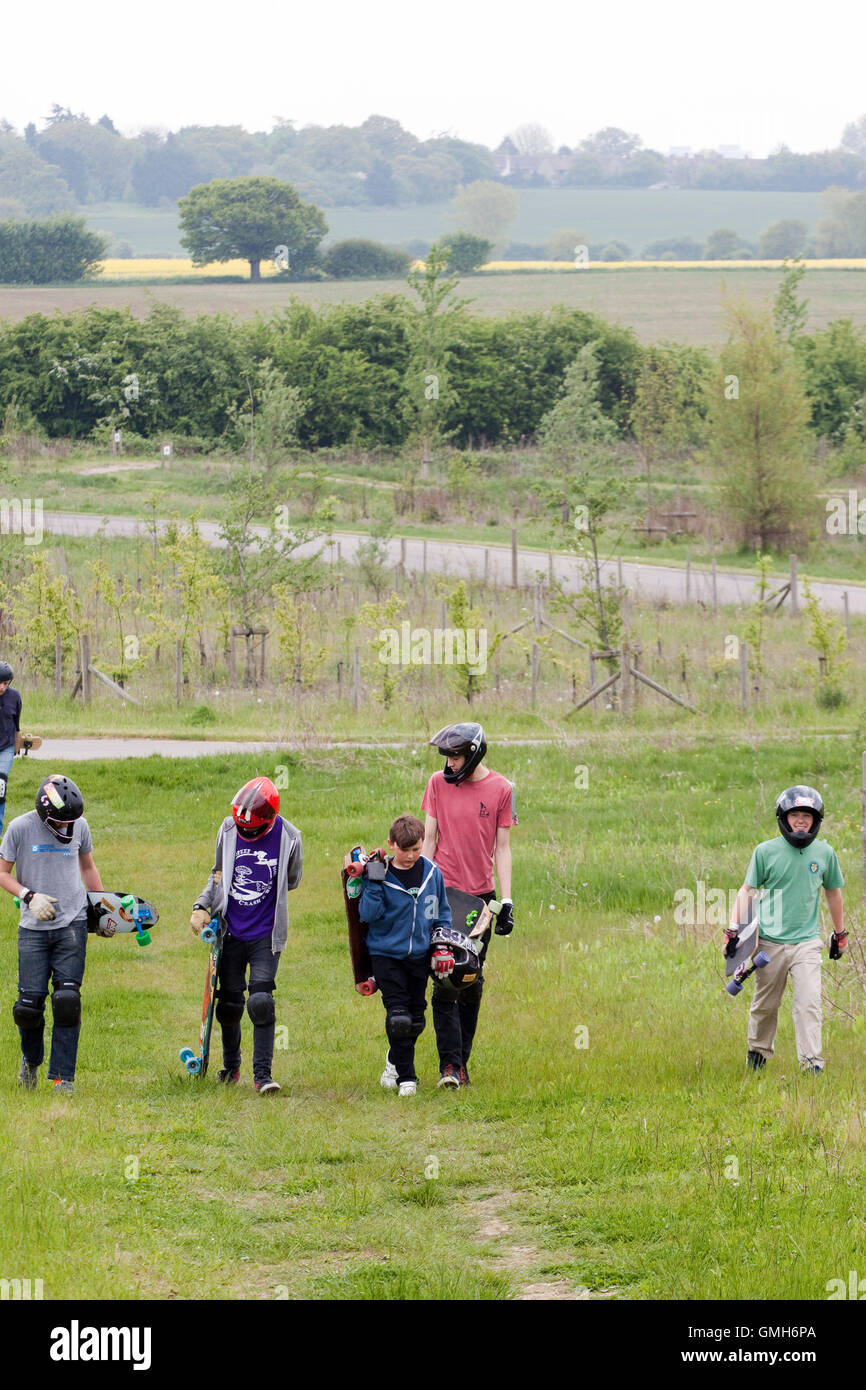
x=359, y=259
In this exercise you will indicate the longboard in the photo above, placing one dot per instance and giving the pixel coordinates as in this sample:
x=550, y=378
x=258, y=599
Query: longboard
x=362, y=968
x=196, y=1063
x=470, y=914
x=121, y=912
x=745, y=960
x=24, y=743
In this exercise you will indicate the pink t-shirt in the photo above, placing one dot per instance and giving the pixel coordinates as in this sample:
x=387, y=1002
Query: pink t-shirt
x=468, y=815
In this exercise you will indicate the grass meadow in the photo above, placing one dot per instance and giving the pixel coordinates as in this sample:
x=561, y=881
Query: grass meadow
x=685, y=305
x=634, y=1160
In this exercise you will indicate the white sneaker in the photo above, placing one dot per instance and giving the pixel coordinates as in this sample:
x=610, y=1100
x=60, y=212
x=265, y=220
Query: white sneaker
x=388, y=1079
x=408, y=1088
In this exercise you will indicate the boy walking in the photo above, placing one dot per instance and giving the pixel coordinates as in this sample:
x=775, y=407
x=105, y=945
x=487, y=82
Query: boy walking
x=469, y=815
x=259, y=859
x=791, y=870
x=402, y=900
x=10, y=721
x=51, y=852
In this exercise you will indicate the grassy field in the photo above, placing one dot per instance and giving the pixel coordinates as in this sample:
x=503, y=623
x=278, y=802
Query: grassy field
x=645, y=1164
x=635, y=216
x=685, y=305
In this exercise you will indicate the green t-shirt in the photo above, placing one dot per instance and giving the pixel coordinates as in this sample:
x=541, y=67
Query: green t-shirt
x=792, y=880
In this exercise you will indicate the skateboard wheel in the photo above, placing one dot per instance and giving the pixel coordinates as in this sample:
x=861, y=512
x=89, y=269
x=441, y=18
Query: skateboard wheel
x=128, y=902
x=369, y=987
x=208, y=935
x=734, y=987
x=186, y=1055
x=762, y=959
x=495, y=907
x=143, y=938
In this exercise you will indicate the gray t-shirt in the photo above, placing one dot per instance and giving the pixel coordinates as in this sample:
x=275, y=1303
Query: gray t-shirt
x=45, y=865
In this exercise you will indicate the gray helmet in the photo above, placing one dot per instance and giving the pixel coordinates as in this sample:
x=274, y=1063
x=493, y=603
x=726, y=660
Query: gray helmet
x=799, y=799
x=6, y=672
x=455, y=739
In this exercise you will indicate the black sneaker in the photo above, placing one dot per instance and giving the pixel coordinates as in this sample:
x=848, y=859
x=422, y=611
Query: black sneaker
x=232, y=1077
x=756, y=1061
x=266, y=1085
x=464, y=1076
x=28, y=1076
x=449, y=1077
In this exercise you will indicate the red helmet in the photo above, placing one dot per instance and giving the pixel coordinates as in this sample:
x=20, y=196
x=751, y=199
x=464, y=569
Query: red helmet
x=255, y=807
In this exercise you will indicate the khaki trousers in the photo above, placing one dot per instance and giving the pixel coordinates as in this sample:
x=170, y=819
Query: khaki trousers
x=802, y=961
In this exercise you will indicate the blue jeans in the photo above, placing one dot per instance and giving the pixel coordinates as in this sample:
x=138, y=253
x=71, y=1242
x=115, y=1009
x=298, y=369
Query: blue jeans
x=6, y=756
x=55, y=954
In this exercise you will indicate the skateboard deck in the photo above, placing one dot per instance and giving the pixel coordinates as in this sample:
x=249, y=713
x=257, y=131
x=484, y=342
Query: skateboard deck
x=24, y=743
x=748, y=944
x=121, y=912
x=470, y=914
x=197, y=1063
x=362, y=968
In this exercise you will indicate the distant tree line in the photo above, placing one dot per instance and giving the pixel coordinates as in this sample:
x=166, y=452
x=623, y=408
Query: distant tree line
x=73, y=160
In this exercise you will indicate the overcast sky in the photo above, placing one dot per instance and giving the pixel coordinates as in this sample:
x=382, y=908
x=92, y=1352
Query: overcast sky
x=676, y=73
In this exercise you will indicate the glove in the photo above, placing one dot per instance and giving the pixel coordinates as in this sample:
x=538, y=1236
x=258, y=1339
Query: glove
x=442, y=962
x=199, y=920
x=838, y=942
x=505, y=920
x=376, y=866
x=41, y=905
x=732, y=940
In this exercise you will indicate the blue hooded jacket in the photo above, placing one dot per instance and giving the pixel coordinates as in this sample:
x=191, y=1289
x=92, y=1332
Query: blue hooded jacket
x=398, y=923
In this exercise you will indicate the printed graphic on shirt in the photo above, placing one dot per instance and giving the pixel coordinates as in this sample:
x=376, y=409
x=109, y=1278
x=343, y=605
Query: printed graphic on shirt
x=482, y=809
x=254, y=874
x=51, y=849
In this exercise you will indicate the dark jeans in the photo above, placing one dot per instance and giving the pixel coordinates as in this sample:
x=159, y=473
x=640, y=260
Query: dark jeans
x=403, y=984
x=236, y=956
x=56, y=954
x=455, y=1013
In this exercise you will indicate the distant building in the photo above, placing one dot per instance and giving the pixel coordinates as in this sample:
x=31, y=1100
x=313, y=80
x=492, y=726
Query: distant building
x=732, y=152
x=510, y=164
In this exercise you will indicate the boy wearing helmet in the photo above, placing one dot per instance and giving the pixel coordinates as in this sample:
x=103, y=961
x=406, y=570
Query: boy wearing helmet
x=52, y=853
x=791, y=869
x=10, y=720
x=469, y=814
x=259, y=860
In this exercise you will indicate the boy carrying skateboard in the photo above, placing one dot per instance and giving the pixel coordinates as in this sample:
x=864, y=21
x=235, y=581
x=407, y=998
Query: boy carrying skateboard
x=791, y=870
x=51, y=852
x=469, y=814
x=402, y=900
x=10, y=719
x=259, y=859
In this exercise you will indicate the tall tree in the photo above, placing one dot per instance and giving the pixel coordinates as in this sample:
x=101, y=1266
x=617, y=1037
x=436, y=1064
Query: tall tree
x=248, y=218
x=431, y=330
x=758, y=412
x=484, y=207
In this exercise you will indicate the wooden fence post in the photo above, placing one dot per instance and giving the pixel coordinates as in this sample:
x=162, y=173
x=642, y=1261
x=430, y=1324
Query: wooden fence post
x=625, y=679
x=86, y=684
x=744, y=677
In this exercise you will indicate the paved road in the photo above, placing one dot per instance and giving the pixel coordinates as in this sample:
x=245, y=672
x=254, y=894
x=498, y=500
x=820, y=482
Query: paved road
x=59, y=750
x=493, y=562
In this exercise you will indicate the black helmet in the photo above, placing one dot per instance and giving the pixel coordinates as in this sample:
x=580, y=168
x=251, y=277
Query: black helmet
x=6, y=672
x=467, y=966
x=799, y=799
x=455, y=739
x=58, y=804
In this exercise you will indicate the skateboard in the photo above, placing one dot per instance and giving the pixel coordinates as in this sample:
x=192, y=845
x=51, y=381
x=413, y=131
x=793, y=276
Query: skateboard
x=24, y=743
x=745, y=960
x=121, y=912
x=124, y=912
x=362, y=968
x=196, y=1064
x=470, y=914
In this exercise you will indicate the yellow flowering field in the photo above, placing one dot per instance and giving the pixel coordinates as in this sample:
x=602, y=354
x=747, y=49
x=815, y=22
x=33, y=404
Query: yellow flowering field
x=154, y=268
x=670, y=265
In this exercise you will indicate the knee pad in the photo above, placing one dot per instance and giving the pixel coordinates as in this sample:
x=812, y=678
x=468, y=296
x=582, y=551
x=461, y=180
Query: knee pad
x=260, y=1007
x=398, y=1023
x=418, y=1026
x=28, y=1010
x=66, y=1005
x=230, y=1008
x=2, y=788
